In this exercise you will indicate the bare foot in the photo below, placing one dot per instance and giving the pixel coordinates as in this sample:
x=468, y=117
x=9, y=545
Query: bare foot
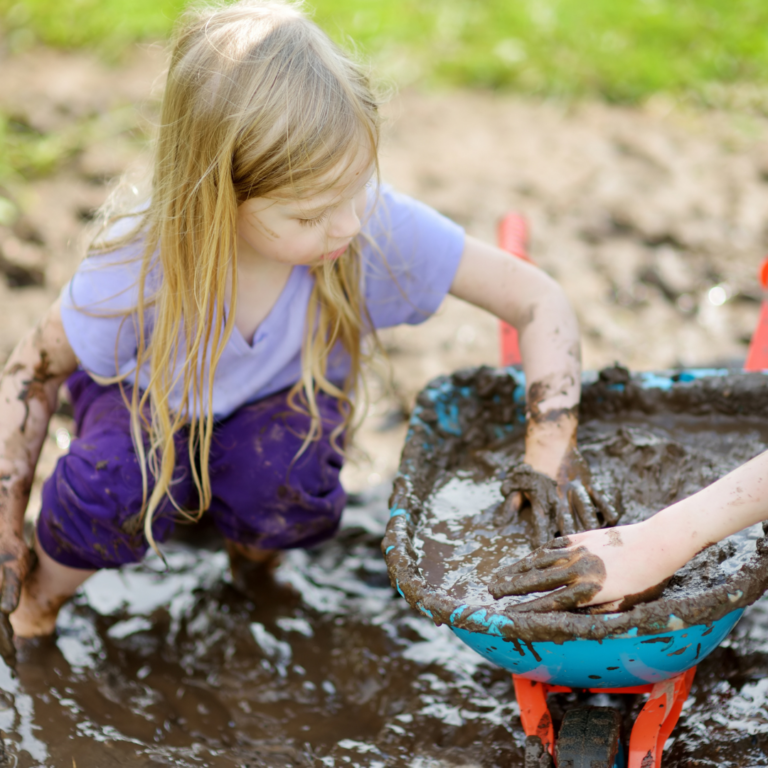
x=31, y=619
x=249, y=566
x=47, y=587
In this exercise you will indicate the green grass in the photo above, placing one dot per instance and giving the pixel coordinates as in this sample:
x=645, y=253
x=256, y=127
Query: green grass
x=619, y=50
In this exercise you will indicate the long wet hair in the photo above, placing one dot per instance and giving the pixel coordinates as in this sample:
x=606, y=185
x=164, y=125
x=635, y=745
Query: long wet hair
x=258, y=102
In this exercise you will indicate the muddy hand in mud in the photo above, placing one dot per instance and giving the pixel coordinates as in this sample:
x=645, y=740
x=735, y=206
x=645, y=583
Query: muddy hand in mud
x=557, y=508
x=570, y=573
x=15, y=562
x=576, y=574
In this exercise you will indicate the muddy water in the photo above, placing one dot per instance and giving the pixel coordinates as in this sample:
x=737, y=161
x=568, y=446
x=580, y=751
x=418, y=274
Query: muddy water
x=641, y=463
x=326, y=668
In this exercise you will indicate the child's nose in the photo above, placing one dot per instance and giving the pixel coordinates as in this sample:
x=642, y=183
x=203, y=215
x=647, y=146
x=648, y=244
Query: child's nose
x=345, y=223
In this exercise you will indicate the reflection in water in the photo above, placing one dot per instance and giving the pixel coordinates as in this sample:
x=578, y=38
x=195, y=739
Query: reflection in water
x=323, y=666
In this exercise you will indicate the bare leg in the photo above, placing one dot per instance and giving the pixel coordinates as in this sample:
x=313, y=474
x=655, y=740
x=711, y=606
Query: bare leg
x=46, y=589
x=249, y=565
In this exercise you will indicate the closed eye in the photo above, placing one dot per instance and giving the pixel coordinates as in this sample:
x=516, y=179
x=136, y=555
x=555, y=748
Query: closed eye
x=315, y=220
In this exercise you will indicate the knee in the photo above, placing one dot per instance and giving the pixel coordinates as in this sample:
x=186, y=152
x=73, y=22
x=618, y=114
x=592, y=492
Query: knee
x=91, y=514
x=283, y=506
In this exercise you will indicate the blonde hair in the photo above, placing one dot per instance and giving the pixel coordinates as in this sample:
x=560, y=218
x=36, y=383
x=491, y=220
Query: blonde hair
x=258, y=102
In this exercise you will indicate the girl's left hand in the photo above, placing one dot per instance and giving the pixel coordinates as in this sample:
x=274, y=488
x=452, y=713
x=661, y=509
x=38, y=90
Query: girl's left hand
x=560, y=506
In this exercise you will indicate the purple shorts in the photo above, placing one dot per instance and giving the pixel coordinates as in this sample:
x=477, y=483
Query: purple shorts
x=91, y=503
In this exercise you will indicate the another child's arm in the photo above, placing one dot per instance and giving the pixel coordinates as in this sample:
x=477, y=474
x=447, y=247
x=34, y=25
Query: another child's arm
x=527, y=298
x=629, y=564
x=29, y=386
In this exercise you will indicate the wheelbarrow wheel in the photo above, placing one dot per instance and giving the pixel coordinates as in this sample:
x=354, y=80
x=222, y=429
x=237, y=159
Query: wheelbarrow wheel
x=590, y=737
x=535, y=754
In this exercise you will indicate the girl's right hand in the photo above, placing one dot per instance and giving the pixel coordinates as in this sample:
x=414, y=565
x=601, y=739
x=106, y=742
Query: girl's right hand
x=29, y=386
x=615, y=567
x=16, y=561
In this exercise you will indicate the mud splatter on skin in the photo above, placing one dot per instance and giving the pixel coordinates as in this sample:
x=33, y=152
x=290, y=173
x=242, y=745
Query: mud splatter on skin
x=538, y=393
x=576, y=505
x=647, y=447
x=20, y=455
x=34, y=388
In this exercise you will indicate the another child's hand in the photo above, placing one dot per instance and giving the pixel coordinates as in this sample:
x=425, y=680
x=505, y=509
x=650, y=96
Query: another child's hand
x=563, y=504
x=618, y=567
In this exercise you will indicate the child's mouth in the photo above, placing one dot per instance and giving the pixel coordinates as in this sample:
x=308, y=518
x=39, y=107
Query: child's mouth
x=334, y=254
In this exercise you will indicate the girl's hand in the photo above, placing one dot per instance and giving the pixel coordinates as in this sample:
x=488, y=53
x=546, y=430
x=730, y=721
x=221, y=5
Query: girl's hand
x=29, y=386
x=555, y=479
x=617, y=567
x=563, y=506
x=16, y=560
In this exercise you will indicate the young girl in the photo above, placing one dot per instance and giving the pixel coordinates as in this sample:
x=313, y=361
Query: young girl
x=212, y=339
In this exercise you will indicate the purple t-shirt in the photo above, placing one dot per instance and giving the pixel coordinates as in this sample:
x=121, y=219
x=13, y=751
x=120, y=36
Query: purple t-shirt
x=405, y=276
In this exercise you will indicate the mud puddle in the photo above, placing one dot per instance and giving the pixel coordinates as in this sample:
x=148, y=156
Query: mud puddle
x=326, y=667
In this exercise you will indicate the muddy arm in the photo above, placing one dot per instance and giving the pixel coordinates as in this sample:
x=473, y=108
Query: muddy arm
x=554, y=477
x=620, y=567
x=29, y=386
x=528, y=299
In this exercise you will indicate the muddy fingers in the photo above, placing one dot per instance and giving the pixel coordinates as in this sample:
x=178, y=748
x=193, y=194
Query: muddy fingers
x=541, y=492
x=554, y=552
x=7, y=647
x=533, y=581
x=564, y=518
x=581, y=502
x=577, y=574
x=508, y=510
x=15, y=563
x=549, y=567
x=541, y=523
x=562, y=600
x=558, y=508
x=610, y=515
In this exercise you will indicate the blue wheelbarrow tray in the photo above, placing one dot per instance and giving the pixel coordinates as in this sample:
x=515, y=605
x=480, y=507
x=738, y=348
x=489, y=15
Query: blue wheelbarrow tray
x=479, y=410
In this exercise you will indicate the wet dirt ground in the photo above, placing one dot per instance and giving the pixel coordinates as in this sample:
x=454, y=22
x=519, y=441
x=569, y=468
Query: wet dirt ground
x=325, y=667
x=653, y=219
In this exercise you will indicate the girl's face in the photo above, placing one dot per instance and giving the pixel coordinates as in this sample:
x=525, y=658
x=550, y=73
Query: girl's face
x=304, y=230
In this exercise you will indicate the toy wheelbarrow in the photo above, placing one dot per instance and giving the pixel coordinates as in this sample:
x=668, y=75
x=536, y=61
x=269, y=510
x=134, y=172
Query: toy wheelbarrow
x=651, y=649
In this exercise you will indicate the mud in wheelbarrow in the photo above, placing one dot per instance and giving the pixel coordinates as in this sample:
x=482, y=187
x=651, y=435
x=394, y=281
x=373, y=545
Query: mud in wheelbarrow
x=650, y=439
